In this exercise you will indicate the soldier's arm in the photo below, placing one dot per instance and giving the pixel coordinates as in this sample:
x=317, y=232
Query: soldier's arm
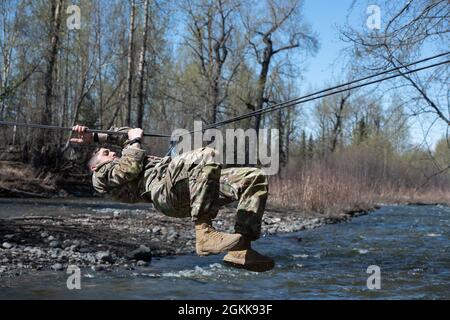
x=84, y=137
x=123, y=170
x=114, y=139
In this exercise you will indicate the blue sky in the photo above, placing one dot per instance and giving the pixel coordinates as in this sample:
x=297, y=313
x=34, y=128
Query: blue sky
x=324, y=16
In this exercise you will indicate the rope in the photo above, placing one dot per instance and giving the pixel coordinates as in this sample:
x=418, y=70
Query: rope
x=43, y=126
x=316, y=95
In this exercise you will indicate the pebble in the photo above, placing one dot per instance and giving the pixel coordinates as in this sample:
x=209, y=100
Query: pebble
x=57, y=267
x=99, y=267
x=104, y=256
x=54, y=244
x=117, y=214
x=156, y=230
x=141, y=253
x=141, y=263
x=7, y=245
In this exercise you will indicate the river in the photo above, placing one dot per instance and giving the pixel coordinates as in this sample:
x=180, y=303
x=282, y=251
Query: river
x=409, y=244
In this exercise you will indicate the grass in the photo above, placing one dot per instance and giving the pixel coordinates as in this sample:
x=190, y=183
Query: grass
x=326, y=187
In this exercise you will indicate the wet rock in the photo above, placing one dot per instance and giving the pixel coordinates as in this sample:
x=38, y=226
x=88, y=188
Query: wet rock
x=2, y=269
x=51, y=238
x=9, y=236
x=141, y=253
x=85, y=250
x=7, y=245
x=100, y=267
x=104, y=256
x=172, y=235
x=63, y=257
x=54, y=244
x=141, y=263
x=57, y=267
x=44, y=234
x=156, y=230
x=66, y=244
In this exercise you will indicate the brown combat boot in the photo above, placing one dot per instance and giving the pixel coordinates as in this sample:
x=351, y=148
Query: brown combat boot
x=243, y=256
x=209, y=241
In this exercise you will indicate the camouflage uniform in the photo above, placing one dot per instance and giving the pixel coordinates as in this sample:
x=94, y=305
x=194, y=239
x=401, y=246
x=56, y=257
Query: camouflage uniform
x=188, y=185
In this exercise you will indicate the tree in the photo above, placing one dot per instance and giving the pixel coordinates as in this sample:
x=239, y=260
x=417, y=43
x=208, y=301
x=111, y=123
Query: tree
x=130, y=62
x=277, y=29
x=141, y=70
x=409, y=29
x=210, y=40
x=42, y=155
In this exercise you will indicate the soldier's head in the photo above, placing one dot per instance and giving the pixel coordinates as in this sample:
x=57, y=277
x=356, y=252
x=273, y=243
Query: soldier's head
x=100, y=156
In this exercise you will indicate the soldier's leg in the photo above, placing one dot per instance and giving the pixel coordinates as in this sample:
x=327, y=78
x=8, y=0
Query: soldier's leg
x=249, y=187
x=189, y=186
x=203, y=175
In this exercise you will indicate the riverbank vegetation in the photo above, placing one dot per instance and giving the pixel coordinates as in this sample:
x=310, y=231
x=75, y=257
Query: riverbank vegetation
x=363, y=176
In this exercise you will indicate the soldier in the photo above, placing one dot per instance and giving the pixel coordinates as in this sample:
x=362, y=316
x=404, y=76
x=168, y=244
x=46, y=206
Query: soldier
x=188, y=185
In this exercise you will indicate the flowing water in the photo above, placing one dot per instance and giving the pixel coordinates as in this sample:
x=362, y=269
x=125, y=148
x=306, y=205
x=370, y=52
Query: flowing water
x=410, y=245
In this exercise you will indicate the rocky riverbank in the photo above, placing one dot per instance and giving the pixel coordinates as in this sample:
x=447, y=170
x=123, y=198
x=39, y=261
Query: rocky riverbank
x=106, y=239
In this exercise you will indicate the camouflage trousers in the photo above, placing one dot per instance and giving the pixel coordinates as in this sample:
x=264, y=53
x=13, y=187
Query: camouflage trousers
x=195, y=186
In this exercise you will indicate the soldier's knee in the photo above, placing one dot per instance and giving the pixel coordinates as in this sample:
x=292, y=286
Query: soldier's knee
x=259, y=174
x=209, y=153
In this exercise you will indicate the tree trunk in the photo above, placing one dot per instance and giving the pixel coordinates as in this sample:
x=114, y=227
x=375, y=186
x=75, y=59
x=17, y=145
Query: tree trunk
x=130, y=62
x=43, y=155
x=262, y=81
x=142, y=62
x=46, y=115
x=100, y=76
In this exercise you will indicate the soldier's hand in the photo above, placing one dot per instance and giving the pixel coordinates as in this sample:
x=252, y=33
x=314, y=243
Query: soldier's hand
x=82, y=137
x=136, y=133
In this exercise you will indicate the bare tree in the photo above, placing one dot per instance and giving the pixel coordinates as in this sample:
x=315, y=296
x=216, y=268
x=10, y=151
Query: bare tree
x=130, y=62
x=276, y=30
x=211, y=32
x=410, y=27
x=43, y=155
x=142, y=63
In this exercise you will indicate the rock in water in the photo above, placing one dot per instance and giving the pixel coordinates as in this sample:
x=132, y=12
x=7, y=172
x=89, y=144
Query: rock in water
x=54, y=244
x=141, y=263
x=104, y=256
x=7, y=245
x=142, y=253
x=57, y=267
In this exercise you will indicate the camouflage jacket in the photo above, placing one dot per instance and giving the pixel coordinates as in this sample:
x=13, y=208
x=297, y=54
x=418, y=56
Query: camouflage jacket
x=129, y=178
